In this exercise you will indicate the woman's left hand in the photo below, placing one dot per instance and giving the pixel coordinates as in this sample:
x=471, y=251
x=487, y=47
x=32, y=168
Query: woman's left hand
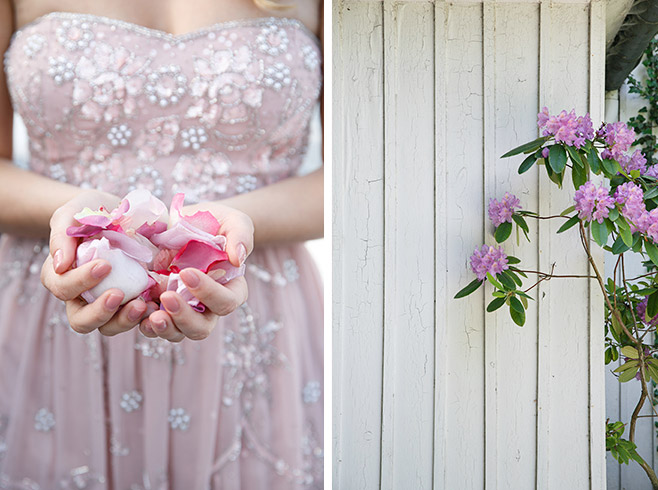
x=179, y=320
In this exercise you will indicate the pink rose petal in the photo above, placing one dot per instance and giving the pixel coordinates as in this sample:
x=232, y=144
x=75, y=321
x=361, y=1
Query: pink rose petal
x=199, y=255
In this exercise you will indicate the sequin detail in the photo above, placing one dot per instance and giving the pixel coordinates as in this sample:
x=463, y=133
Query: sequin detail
x=44, y=420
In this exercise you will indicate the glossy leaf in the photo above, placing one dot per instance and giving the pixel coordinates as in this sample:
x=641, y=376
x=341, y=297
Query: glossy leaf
x=472, y=287
x=527, y=147
x=495, y=304
x=503, y=231
x=652, y=251
x=599, y=232
x=527, y=163
x=557, y=158
x=569, y=223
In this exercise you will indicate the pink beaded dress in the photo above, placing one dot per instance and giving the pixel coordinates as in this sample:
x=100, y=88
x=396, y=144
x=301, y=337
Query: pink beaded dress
x=220, y=111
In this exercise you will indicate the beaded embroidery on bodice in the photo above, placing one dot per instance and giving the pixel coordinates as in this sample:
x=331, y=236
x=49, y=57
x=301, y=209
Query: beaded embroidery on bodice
x=116, y=106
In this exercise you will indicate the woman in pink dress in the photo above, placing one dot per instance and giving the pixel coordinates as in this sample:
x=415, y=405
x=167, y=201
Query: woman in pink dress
x=212, y=99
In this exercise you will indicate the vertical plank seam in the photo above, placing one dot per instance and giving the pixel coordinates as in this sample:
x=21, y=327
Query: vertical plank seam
x=490, y=324
x=596, y=395
x=440, y=376
x=543, y=415
x=384, y=242
x=434, y=207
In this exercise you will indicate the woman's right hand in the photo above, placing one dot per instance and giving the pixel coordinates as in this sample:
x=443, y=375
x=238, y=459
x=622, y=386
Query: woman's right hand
x=67, y=283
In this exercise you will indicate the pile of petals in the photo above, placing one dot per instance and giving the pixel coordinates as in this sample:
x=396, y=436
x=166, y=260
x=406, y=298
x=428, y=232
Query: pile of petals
x=148, y=246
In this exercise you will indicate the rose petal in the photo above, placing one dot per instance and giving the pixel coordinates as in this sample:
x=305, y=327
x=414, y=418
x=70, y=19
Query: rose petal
x=199, y=255
x=136, y=247
x=203, y=220
x=143, y=209
x=181, y=233
x=127, y=274
x=84, y=231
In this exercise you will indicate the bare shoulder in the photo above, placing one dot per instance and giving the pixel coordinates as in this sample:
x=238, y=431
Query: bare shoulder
x=6, y=113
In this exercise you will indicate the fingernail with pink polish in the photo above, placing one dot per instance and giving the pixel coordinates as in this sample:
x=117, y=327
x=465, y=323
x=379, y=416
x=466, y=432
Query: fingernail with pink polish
x=170, y=304
x=190, y=278
x=57, y=259
x=242, y=253
x=159, y=325
x=100, y=270
x=113, y=301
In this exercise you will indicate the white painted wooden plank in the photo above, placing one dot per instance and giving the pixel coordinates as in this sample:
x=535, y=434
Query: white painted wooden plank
x=565, y=429
x=408, y=399
x=464, y=319
x=358, y=244
x=441, y=240
x=514, y=90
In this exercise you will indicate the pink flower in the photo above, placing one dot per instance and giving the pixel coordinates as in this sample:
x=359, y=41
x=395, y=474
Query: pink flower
x=632, y=197
x=566, y=127
x=488, y=260
x=593, y=203
x=618, y=139
x=500, y=212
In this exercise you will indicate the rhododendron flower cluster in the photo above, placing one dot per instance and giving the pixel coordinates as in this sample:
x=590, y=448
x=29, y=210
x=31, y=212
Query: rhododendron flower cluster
x=148, y=246
x=592, y=202
x=618, y=138
x=488, y=259
x=500, y=212
x=566, y=127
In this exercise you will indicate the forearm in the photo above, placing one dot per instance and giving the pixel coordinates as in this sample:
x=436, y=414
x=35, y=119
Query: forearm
x=28, y=200
x=291, y=210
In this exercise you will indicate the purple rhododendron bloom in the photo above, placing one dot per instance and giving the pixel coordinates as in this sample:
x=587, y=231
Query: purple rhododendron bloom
x=545, y=152
x=618, y=137
x=566, y=127
x=500, y=212
x=632, y=197
x=641, y=310
x=637, y=161
x=592, y=202
x=488, y=259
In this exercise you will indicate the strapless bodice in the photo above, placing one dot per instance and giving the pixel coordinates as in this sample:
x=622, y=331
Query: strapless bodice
x=116, y=106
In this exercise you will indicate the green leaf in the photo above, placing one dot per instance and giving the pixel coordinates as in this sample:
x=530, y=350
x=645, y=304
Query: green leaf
x=569, y=210
x=503, y=232
x=599, y=232
x=495, y=304
x=515, y=304
x=514, y=277
x=629, y=351
x=619, y=247
x=578, y=176
x=616, y=325
x=506, y=280
x=594, y=160
x=472, y=287
x=652, y=251
x=493, y=281
x=513, y=260
x=627, y=375
x=569, y=223
x=527, y=147
x=613, y=214
x=527, y=163
x=625, y=232
x=626, y=366
x=520, y=221
x=610, y=167
x=557, y=158
x=652, y=305
x=575, y=157
x=651, y=192
x=518, y=317
x=556, y=178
